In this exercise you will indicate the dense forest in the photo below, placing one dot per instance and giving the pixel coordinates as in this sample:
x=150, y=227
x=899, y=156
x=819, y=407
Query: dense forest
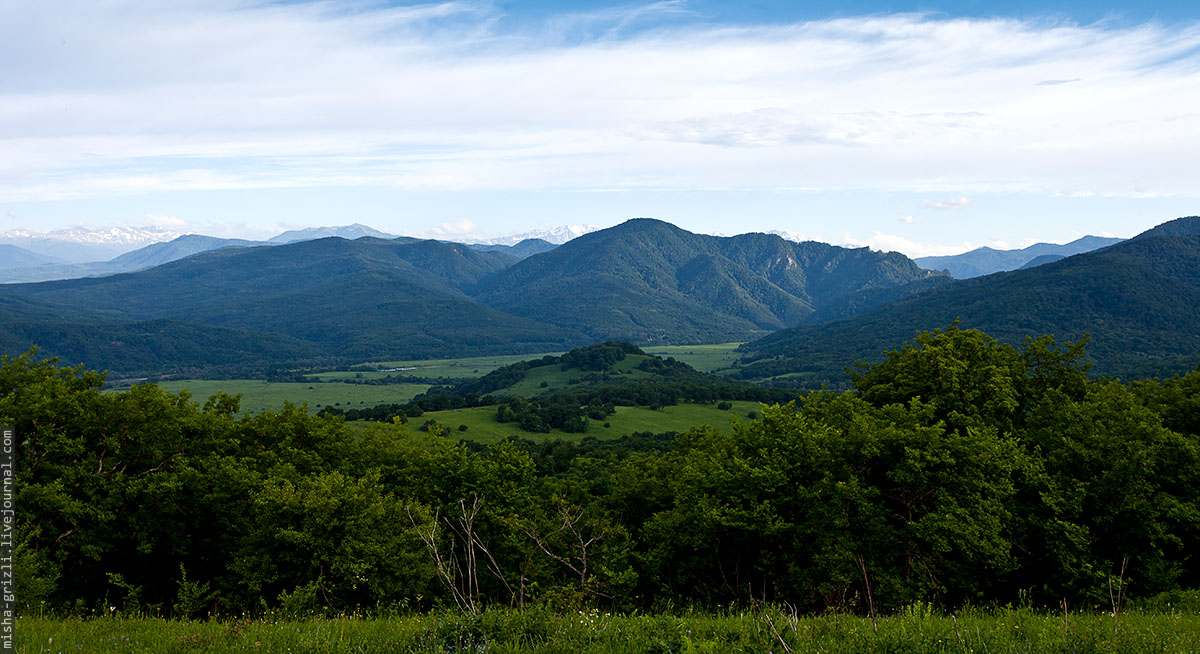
x=958, y=470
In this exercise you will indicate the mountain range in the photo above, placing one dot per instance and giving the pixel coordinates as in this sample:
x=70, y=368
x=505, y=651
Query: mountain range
x=650, y=281
x=82, y=245
x=985, y=260
x=643, y=280
x=197, y=302
x=21, y=264
x=1138, y=301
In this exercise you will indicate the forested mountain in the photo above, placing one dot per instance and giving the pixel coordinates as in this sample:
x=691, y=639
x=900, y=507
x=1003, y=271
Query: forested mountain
x=985, y=260
x=1139, y=301
x=157, y=254
x=649, y=281
x=363, y=298
x=1042, y=259
x=644, y=281
x=521, y=250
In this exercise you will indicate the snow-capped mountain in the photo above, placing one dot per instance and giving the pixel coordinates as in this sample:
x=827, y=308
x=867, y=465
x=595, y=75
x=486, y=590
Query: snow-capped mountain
x=81, y=244
x=136, y=236
x=791, y=236
x=557, y=235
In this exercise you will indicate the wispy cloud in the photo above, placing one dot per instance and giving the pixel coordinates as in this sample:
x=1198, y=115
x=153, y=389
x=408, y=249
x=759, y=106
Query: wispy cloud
x=952, y=203
x=894, y=243
x=144, y=97
x=462, y=227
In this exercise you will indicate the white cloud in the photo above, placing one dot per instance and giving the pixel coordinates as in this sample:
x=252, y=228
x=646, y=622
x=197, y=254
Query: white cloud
x=165, y=221
x=913, y=249
x=908, y=220
x=462, y=227
x=144, y=97
x=952, y=203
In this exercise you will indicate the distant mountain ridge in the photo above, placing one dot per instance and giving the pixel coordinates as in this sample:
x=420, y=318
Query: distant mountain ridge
x=556, y=235
x=525, y=248
x=145, y=257
x=325, y=298
x=1139, y=300
x=350, y=232
x=985, y=260
x=83, y=245
x=649, y=281
x=13, y=256
x=406, y=298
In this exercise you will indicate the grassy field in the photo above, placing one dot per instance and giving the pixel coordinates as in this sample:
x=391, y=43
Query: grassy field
x=482, y=426
x=467, y=368
x=539, y=631
x=258, y=396
x=705, y=358
x=557, y=379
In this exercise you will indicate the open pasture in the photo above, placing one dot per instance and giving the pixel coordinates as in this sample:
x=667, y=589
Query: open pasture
x=482, y=426
x=259, y=396
x=713, y=358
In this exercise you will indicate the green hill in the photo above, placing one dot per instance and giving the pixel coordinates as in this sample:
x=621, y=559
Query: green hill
x=1138, y=300
x=607, y=363
x=368, y=298
x=649, y=281
x=573, y=393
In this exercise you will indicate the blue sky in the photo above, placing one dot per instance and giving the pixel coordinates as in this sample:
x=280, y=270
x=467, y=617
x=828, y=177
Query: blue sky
x=922, y=127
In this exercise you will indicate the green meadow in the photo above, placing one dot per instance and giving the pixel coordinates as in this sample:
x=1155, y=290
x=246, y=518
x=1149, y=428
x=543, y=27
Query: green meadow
x=465, y=368
x=259, y=396
x=714, y=358
x=705, y=358
x=327, y=389
x=546, y=379
x=482, y=426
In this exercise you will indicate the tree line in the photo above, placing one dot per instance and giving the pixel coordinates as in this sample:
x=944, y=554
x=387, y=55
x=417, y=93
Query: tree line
x=958, y=470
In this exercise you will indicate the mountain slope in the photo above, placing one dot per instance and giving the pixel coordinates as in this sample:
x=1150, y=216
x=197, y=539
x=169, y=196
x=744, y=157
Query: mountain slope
x=1139, y=300
x=135, y=347
x=521, y=250
x=144, y=257
x=649, y=281
x=364, y=298
x=82, y=245
x=159, y=253
x=13, y=256
x=985, y=260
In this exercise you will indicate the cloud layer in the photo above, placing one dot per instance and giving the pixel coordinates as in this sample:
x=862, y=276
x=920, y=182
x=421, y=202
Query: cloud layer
x=132, y=98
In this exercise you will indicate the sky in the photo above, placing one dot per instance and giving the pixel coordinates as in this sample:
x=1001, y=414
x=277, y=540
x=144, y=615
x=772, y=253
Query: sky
x=921, y=127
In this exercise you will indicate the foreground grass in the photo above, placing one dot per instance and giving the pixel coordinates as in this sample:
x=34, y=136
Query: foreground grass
x=537, y=631
x=483, y=428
